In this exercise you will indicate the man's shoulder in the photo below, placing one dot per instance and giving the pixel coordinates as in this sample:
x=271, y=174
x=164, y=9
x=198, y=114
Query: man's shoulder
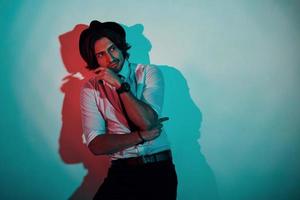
x=143, y=68
x=142, y=65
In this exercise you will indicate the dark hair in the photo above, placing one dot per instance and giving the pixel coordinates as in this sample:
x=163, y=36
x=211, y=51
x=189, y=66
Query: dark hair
x=97, y=30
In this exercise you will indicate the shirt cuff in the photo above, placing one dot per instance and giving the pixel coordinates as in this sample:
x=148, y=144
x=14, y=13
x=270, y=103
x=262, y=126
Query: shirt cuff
x=88, y=137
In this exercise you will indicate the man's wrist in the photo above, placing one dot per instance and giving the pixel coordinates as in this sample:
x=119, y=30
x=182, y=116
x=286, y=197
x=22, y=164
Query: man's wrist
x=125, y=87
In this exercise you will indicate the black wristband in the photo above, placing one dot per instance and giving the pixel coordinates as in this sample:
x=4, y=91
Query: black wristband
x=143, y=140
x=125, y=87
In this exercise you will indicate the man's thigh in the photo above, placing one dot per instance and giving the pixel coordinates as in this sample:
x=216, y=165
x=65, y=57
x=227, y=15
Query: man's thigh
x=150, y=181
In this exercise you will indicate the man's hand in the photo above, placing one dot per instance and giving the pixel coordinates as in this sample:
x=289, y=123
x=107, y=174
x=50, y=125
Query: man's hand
x=109, y=76
x=155, y=131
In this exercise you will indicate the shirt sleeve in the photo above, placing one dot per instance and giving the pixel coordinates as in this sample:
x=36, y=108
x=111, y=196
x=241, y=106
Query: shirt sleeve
x=153, y=93
x=93, y=123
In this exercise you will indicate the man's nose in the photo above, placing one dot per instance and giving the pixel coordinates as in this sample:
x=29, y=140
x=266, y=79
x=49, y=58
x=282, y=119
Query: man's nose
x=109, y=58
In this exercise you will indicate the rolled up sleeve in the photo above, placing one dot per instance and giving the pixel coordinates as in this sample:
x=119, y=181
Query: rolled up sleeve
x=93, y=123
x=153, y=93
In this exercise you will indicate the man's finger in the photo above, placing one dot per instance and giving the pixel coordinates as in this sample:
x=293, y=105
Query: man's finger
x=163, y=119
x=159, y=126
x=98, y=70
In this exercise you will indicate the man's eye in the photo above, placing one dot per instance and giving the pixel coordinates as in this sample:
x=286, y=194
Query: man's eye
x=112, y=49
x=99, y=55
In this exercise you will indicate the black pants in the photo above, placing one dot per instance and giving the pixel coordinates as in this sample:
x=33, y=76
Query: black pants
x=143, y=182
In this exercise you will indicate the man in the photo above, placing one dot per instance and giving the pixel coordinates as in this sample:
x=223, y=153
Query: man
x=120, y=109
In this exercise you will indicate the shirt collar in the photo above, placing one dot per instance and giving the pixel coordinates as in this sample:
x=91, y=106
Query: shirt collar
x=125, y=71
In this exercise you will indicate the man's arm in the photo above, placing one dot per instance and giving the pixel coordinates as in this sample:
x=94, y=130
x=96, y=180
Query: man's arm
x=112, y=143
x=100, y=142
x=138, y=111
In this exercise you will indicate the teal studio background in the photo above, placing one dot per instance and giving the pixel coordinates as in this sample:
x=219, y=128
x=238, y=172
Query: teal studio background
x=232, y=94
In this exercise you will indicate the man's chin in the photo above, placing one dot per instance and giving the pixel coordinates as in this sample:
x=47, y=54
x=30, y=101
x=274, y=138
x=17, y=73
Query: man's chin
x=117, y=69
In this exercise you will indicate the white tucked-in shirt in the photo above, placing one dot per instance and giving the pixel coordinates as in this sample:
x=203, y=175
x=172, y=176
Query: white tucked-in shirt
x=102, y=111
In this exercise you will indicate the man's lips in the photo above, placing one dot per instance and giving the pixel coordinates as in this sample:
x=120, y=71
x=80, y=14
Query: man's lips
x=115, y=64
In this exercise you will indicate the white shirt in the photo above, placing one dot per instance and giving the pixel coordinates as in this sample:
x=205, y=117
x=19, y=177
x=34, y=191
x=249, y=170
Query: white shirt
x=102, y=112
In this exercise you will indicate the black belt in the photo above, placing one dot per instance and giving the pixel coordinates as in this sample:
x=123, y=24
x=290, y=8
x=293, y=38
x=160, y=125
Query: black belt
x=156, y=157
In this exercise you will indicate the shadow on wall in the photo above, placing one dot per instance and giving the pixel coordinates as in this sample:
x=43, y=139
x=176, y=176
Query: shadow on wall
x=196, y=179
x=71, y=148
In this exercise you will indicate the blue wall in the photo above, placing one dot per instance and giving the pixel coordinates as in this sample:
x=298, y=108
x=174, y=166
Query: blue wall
x=232, y=72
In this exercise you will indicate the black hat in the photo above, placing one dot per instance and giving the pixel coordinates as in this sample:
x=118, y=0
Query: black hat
x=93, y=32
